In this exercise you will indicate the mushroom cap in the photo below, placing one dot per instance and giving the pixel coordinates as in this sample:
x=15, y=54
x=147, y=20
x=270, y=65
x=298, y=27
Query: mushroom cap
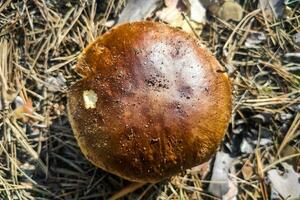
x=152, y=102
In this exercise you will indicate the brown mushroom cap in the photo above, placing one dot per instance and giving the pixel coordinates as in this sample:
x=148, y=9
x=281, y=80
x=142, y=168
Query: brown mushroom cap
x=151, y=104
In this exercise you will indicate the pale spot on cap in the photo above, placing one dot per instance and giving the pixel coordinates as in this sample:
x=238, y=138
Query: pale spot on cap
x=90, y=99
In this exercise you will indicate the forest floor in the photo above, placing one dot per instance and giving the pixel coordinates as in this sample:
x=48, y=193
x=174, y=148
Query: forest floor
x=39, y=156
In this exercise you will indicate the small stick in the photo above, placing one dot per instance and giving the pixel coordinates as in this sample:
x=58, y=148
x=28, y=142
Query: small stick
x=126, y=190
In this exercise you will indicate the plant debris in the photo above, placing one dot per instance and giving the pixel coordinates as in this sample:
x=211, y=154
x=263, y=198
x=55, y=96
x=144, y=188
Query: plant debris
x=136, y=10
x=189, y=15
x=228, y=10
x=39, y=44
x=272, y=8
x=219, y=185
x=286, y=184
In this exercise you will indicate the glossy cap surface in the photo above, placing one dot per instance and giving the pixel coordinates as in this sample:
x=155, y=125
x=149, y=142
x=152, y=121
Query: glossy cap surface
x=151, y=104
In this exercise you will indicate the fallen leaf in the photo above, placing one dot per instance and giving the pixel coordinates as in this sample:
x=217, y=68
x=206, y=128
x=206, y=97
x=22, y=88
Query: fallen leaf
x=189, y=17
x=287, y=185
x=23, y=107
x=198, y=12
x=136, y=10
x=247, y=170
x=171, y=15
x=230, y=10
x=226, y=10
x=254, y=40
x=246, y=147
x=220, y=184
x=232, y=191
x=202, y=169
x=272, y=8
x=289, y=150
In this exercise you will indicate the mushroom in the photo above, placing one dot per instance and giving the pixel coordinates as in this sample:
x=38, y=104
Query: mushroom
x=152, y=102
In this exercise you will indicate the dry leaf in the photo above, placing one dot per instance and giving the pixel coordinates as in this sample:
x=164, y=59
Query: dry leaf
x=247, y=170
x=220, y=185
x=289, y=150
x=136, y=10
x=272, y=8
x=198, y=12
x=171, y=15
x=174, y=11
x=246, y=147
x=22, y=108
x=202, y=169
x=230, y=10
x=232, y=191
x=287, y=185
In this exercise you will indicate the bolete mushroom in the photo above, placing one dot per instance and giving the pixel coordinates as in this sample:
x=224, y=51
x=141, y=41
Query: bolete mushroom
x=152, y=102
